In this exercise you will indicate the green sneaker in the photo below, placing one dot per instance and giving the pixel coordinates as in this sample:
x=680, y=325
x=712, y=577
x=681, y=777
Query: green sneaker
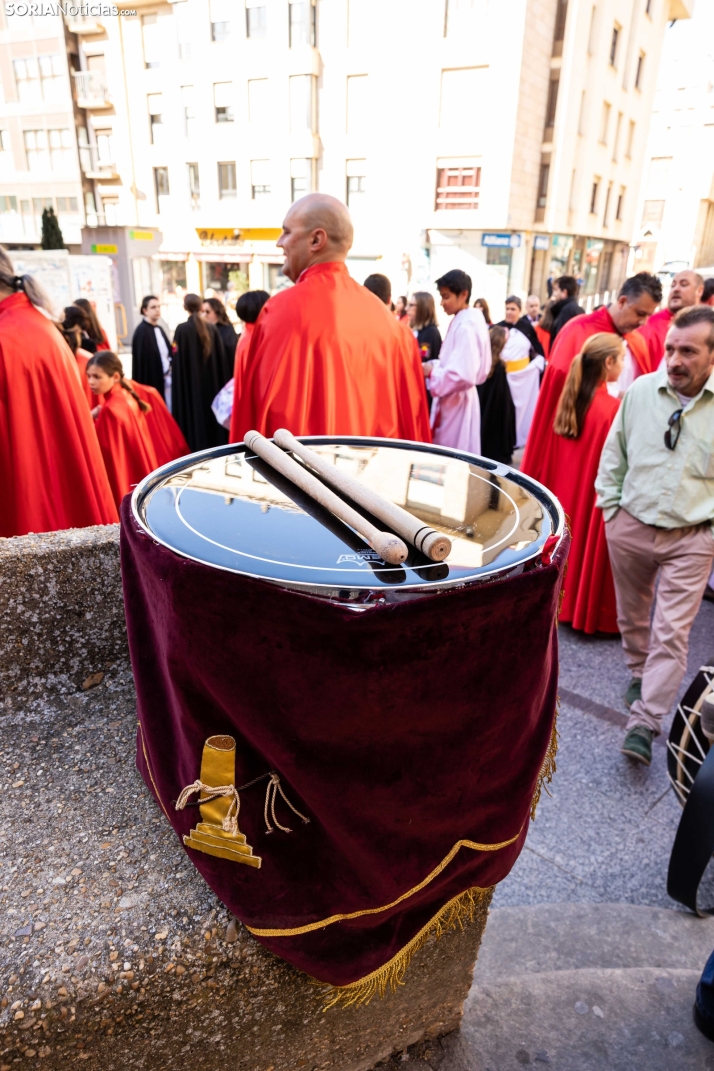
x=637, y=744
x=634, y=691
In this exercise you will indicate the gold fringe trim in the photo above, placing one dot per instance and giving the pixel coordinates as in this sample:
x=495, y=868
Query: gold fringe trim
x=385, y=907
x=462, y=908
x=549, y=764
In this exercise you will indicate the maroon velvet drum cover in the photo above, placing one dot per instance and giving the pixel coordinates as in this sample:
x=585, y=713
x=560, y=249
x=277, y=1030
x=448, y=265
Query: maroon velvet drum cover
x=406, y=712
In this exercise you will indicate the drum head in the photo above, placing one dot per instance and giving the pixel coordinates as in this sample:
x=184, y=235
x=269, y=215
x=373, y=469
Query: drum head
x=230, y=510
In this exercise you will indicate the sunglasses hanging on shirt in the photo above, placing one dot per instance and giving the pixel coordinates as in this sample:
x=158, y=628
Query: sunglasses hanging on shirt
x=674, y=429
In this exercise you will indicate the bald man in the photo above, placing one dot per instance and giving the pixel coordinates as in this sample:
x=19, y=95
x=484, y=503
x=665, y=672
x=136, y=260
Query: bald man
x=325, y=357
x=687, y=288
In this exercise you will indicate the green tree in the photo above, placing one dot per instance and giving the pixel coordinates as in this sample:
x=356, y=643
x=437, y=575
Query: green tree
x=51, y=233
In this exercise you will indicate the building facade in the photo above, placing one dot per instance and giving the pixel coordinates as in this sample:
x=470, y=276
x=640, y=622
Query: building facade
x=675, y=218
x=504, y=137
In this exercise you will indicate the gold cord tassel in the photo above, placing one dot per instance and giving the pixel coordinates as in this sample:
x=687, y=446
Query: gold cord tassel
x=549, y=764
x=461, y=909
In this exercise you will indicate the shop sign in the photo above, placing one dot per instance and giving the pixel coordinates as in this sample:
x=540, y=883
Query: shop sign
x=542, y=241
x=232, y=236
x=501, y=241
x=141, y=236
x=105, y=249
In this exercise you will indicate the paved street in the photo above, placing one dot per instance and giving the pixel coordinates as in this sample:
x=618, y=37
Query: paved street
x=606, y=833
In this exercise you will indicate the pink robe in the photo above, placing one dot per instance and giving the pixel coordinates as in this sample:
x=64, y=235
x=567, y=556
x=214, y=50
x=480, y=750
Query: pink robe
x=464, y=362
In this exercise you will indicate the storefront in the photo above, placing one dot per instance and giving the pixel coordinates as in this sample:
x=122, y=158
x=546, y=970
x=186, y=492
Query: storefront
x=599, y=265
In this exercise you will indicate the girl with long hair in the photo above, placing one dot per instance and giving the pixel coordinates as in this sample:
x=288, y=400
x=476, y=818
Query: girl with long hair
x=71, y=332
x=583, y=417
x=94, y=328
x=482, y=304
x=200, y=370
x=214, y=312
x=75, y=317
x=498, y=413
x=122, y=428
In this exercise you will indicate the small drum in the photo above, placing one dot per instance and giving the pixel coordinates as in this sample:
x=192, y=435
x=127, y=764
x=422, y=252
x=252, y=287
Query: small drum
x=228, y=509
x=688, y=744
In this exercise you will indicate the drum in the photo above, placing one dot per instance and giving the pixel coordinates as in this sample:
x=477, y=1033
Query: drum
x=228, y=509
x=688, y=744
x=350, y=751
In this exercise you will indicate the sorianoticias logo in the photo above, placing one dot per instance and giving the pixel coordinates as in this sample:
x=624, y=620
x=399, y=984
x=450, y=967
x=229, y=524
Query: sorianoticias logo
x=73, y=11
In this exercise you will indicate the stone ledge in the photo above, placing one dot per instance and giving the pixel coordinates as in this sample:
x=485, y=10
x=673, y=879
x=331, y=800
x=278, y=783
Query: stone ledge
x=113, y=950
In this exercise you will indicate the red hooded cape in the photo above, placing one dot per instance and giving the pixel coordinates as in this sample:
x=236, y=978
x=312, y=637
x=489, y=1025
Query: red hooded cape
x=238, y=372
x=165, y=433
x=654, y=332
x=123, y=434
x=568, y=344
x=51, y=471
x=589, y=599
x=326, y=358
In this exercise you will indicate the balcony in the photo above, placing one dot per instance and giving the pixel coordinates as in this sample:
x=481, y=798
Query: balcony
x=96, y=166
x=91, y=90
x=84, y=25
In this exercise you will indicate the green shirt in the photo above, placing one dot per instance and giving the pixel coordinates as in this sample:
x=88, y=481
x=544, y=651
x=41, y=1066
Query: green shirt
x=666, y=488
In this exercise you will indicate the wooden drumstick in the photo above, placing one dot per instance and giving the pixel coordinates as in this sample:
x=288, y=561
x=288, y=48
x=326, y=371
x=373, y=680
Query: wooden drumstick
x=389, y=547
x=433, y=544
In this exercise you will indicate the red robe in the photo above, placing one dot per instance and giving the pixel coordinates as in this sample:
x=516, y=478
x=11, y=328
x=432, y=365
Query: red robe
x=589, y=599
x=165, y=433
x=51, y=471
x=654, y=332
x=568, y=344
x=543, y=338
x=124, y=438
x=238, y=372
x=327, y=359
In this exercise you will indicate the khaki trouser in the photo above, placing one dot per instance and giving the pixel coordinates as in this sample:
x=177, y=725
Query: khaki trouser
x=657, y=652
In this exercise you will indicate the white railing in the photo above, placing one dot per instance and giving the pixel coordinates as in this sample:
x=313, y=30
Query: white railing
x=91, y=89
x=92, y=163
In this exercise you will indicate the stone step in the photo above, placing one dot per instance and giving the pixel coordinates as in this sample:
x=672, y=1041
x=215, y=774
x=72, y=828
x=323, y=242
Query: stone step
x=567, y=937
x=582, y=1020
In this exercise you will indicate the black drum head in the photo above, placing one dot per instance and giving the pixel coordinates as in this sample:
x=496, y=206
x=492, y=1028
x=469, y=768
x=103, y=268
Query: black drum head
x=230, y=510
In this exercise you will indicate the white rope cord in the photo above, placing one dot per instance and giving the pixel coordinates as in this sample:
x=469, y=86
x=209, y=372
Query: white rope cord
x=271, y=793
x=213, y=792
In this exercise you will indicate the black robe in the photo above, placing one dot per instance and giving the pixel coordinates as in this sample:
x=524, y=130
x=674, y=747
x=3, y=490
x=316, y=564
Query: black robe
x=229, y=338
x=498, y=416
x=562, y=311
x=526, y=328
x=146, y=366
x=195, y=383
x=429, y=341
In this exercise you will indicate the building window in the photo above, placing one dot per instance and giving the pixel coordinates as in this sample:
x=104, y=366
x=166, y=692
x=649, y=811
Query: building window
x=303, y=104
x=620, y=203
x=640, y=70
x=606, y=211
x=258, y=104
x=6, y=161
x=52, y=76
x=581, y=115
x=188, y=100
x=604, y=123
x=60, y=149
x=37, y=150
x=561, y=16
x=614, y=42
x=593, y=196
x=223, y=102
x=551, y=105
x=458, y=184
x=161, y=185
x=630, y=139
x=302, y=178
x=460, y=16
x=256, y=18
x=357, y=121
x=227, y=180
x=105, y=147
x=185, y=30
x=356, y=184
x=259, y=179
x=27, y=80
x=652, y=212
x=616, y=143
x=194, y=186
x=220, y=15
x=543, y=184
x=155, y=102
x=303, y=29
x=648, y=7
x=150, y=33
x=591, y=32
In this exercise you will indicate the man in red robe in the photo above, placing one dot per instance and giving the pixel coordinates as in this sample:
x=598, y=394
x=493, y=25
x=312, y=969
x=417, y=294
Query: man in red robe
x=687, y=289
x=639, y=297
x=52, y=475
x=325, y=357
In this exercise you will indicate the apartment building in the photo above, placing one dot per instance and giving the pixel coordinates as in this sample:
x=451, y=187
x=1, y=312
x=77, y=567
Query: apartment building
x=675, y=217
x=39, y=158
x=501, y=136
